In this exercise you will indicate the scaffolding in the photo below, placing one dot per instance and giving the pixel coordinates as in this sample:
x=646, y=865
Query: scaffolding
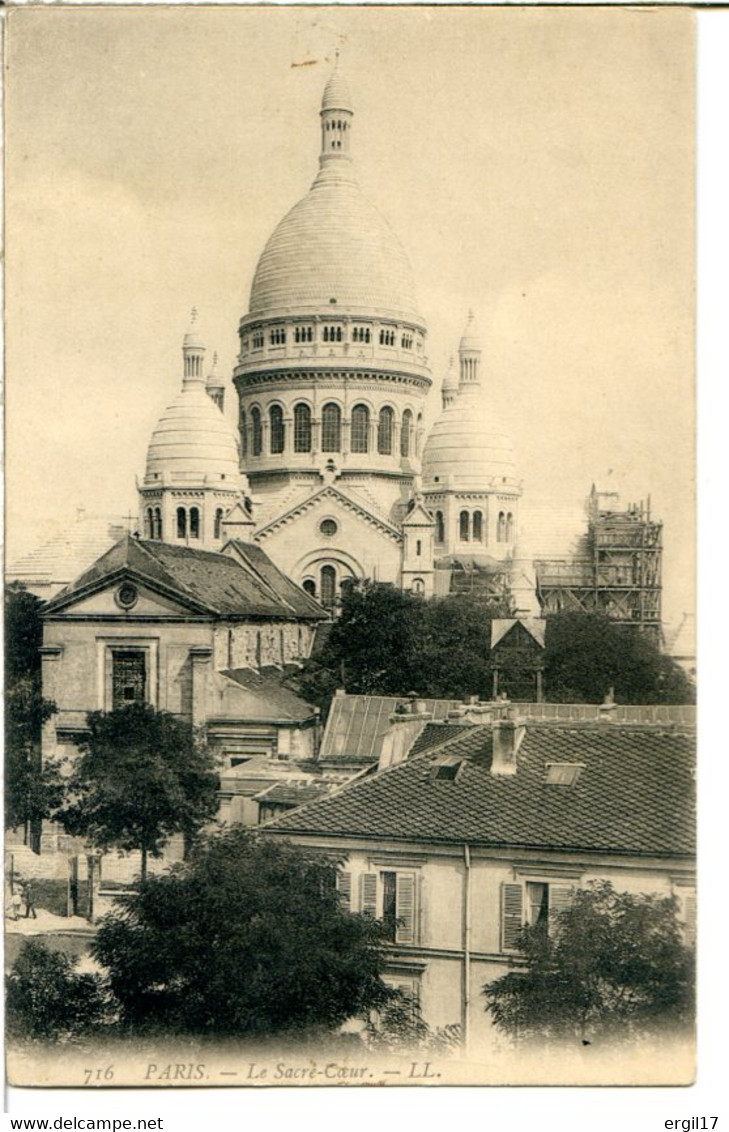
x=621, y=575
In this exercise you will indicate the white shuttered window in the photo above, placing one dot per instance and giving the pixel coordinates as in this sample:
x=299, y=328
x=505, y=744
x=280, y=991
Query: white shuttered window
x=529, y=904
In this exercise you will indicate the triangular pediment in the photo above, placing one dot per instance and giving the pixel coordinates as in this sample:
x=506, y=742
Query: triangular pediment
x=127, y=595
x=419, y=516
x=332, y=498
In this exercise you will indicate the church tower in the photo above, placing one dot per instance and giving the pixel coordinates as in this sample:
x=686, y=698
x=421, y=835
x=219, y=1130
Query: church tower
x=470, y=482
x=192, y=478
x=332, y=377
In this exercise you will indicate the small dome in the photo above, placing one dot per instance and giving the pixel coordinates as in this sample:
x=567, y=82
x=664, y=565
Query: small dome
x=468, y=448
x=334, y=251
x=450, y=381
x=471, y=337
x=193, y=442
x=336, y=93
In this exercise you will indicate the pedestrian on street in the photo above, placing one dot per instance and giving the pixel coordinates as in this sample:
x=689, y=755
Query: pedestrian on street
x=15, y=902
x=29, y=898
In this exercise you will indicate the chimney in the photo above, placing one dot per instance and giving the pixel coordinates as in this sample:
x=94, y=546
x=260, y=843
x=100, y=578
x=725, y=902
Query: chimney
x=506, y=737
x=405, y=727
x=607, y=707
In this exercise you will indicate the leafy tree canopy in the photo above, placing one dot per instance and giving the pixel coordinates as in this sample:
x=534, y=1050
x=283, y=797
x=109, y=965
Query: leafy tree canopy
x=389, y=642
x=586, y=654
x=249, y=937
x=143, y=776
x=610, y=965
x=46, y=998
x=31, y=790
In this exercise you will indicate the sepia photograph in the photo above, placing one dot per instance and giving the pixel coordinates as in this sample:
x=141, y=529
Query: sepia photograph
x=350, y=648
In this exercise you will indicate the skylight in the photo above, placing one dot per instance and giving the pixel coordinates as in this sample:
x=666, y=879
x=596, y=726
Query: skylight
x=563, y=774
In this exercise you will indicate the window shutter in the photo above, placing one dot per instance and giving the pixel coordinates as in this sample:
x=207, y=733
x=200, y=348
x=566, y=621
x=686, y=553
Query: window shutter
x=689, y=919
x=512, y=900
x=560, y=898
x=368, y=893
x=344, y=887
x=405, y=908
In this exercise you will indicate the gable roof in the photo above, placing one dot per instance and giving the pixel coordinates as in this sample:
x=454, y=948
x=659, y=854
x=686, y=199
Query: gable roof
x=356, y=725
x=260, y=565
x=534, y=626
x=635, y=795
x=204, y=580
x=262, y=696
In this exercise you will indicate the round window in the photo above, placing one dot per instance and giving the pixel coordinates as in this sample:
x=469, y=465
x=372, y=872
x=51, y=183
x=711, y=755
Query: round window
x=126, y=595
x=328, y=527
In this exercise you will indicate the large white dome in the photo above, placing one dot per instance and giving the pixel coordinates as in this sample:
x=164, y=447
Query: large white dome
x=193, y=442
x=469, y=448
x=333, y=251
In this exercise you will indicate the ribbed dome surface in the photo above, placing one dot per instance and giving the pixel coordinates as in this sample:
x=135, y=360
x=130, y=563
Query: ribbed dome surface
x=470, y=444
x=193, y=440
x=336, y=94
x=334, y=245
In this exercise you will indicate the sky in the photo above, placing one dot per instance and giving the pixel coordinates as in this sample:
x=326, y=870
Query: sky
x=537, y=166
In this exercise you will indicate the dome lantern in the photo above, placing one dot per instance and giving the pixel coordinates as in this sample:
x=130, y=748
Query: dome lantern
x=336, y=126
x=449, y=389
x=469, y=355
x=193, y=352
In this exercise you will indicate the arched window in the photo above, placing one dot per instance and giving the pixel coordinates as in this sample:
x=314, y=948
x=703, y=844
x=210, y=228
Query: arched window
x=509, y=533
x=194, y=523
x=328, y=576
x=360, y=441
x=302, y=428
x=418, y=434
x=501, y=528
x=418, y=587
x=477, y=526
x=157, y=523
x=463, y=526
x=439, y=527
x=309, y=585
x=181, y=522
x=148, y=523
x=418, y=548
x=275, y=416
x=218, y=527
x=243, y=430
x=405, y=430
x=257, y=431
x=259, y=650
x=384, y=431
x=331, y=428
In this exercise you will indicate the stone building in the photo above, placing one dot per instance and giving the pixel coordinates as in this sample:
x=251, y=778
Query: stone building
x=478, y=825
x=207, y=636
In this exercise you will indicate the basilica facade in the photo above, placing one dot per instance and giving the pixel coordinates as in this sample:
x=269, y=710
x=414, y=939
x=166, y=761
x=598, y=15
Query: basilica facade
x=332, y=471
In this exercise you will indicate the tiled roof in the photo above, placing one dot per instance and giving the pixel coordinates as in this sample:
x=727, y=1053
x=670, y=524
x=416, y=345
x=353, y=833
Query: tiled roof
x=265, y=696
x=294, y=793
x=258, y=562
x=69, y=551
x=357, y=725
x=634, y=796
x=215, y=583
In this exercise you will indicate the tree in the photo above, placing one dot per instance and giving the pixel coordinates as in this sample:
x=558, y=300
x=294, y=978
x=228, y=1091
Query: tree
x=143, y=776
x=32, y=789
x=248, y=937
x=586, y=654
x=387, y=642
x=47, y=999
x=610, y=965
